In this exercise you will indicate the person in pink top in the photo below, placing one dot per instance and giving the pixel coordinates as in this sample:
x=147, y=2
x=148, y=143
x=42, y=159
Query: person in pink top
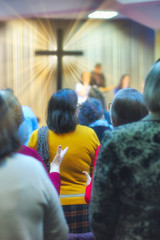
x=54, y=173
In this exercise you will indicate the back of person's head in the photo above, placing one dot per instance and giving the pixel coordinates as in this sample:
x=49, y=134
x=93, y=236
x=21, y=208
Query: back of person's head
x=90, y=111
x=15, y=106
x=62, y=106
x=98, y=67
x=127, y=106
x=96, y=93
x=152, y=88
x=9, y=140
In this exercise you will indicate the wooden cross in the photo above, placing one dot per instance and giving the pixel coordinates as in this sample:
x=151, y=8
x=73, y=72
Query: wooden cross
x=59, y=53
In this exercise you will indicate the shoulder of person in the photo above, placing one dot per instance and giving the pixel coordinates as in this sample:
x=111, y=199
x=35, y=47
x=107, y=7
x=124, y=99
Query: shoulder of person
x=27, y=160
x=124, y=132
x=79, y=86
x=85, y=129
x=32, y=152
x=88, y=134
x=31, y=167
x=34, y=133
x=79, y=83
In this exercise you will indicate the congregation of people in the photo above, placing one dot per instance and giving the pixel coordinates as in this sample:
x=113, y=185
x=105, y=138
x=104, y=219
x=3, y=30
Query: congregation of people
x=92, y=173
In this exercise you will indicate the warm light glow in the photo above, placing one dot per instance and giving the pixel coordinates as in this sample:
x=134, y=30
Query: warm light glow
x=103, y=14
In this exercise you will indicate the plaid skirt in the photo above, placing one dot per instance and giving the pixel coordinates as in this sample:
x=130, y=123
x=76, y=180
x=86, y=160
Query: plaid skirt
x=77, y=218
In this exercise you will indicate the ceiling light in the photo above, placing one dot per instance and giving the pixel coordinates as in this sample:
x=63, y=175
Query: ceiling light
x=103, y=14
x=133, y=1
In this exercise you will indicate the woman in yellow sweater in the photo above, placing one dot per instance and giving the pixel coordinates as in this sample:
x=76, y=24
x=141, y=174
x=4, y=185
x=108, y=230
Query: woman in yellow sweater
x=82, y=142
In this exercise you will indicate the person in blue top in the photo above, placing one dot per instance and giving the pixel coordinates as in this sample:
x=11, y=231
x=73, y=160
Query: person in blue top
x=29, y=124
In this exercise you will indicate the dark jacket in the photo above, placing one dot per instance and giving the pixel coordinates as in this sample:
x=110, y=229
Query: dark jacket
x=125, y=201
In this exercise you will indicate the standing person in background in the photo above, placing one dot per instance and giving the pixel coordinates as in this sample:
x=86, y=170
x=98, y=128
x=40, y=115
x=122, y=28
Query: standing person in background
x=83, y=87
x=97, y=77
x=123, y=83
x=82, y=142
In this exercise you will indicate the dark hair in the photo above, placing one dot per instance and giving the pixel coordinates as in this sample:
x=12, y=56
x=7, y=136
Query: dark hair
x=152, y=88
x=121, y=80
x=90, y=111
x=98, y=65
x=62, y=108
x=9, y=140
x=96, y=93
x=127, y=106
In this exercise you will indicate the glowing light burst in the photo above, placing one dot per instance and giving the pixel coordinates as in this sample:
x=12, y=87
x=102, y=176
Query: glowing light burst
x=41, y=34
x=33, y=78
x=22, y=38
x=75, y=39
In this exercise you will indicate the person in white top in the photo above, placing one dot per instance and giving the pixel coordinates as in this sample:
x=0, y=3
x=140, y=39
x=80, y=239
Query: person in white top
x=83, y=87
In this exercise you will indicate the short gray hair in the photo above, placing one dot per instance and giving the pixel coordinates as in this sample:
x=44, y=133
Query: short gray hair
x=152, y=88
x=127, y=106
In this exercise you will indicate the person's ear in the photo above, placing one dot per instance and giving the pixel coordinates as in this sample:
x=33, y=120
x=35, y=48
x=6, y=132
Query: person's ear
x=114, y=123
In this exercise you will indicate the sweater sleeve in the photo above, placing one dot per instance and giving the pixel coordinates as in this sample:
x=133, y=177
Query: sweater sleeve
x=94, y=145
x=54, y=176
x=55, y=226
x=87, y=196
x=104, y=200
x=56, y=181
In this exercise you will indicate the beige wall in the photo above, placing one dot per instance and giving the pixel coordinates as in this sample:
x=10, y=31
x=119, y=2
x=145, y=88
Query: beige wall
x=121, y=46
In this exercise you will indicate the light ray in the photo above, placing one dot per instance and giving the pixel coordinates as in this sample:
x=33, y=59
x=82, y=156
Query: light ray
x=74, y=34
x=24, y=21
